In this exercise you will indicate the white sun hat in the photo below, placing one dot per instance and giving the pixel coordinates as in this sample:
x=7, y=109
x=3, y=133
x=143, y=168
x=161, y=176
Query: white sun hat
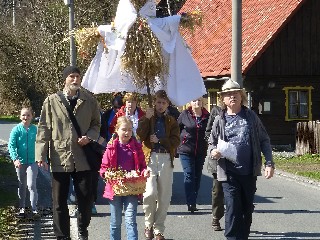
x=230, y=86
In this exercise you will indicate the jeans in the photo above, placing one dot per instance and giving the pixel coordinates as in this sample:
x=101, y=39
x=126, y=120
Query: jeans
x=239, y=193
x=192, y=169
x=217, y=199
x=27, y=177
x=130, y=204
x=82, y=182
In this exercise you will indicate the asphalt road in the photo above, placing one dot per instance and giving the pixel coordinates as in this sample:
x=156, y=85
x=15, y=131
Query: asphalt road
x=286, y=207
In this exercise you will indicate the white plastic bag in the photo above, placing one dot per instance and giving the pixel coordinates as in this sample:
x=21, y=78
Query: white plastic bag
x=227, y=150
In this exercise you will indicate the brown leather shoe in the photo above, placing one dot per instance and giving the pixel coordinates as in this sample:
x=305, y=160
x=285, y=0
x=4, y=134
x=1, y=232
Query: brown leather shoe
x=159, y=236
x=216, y=225
x=148, y=233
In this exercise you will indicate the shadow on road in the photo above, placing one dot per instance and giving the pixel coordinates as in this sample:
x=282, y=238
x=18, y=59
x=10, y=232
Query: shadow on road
x=287, y=212
x=178, y=194
x=37, y=229
x=283, y=235
x=259, y=199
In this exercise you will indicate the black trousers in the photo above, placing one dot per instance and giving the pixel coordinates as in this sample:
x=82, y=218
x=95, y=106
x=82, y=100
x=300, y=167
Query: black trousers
x=239, y=193
x=95, y=183
x=82, y=182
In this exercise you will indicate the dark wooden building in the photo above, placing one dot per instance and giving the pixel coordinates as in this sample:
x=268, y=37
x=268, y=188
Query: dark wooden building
x=281, y=59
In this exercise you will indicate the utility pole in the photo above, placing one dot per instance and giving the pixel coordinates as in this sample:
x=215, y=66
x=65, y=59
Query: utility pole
x=236, y=52
x=73, y=56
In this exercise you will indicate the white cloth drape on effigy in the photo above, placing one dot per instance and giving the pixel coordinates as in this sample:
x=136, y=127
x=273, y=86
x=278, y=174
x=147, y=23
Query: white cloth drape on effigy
x=183, y=82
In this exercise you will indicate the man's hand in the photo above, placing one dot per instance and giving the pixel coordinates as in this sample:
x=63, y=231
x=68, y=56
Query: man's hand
x=154, y=139
x=43, y=164
x=84, y=140
x=215, y=154
x=149, y=112
x=146, y=173
x=17, y=163
x=268, y=172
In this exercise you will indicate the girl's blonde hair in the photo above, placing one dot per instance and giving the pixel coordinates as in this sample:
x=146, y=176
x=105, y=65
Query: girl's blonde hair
x=244, y=99
x=121, y=120
x=189, y=103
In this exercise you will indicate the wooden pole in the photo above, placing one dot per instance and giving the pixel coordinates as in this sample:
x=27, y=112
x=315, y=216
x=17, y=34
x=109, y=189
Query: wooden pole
x=149, y=93
x=150, y=106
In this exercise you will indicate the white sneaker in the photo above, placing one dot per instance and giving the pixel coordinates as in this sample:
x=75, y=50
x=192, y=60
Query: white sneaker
x=74, y=212
x=35, y=214
x=21, y=212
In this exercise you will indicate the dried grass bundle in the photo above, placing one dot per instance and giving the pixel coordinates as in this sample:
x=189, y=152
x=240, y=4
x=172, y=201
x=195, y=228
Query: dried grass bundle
x=142, y=57
x=192, y=19
x=87, y=39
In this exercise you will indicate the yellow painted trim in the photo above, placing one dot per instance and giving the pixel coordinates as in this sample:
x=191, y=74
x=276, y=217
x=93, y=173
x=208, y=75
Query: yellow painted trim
x=213, y=90
x=286, y=89
x=209, y=98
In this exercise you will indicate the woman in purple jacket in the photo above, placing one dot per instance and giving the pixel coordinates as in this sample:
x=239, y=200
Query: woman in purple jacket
x=193, y=148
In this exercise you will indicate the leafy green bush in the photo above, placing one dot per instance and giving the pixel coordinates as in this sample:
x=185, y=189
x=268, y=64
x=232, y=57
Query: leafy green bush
x=8, y=183
x=9, y=118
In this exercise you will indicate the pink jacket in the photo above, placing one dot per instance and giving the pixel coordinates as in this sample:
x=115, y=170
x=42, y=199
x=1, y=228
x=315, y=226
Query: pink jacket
x=110, y=160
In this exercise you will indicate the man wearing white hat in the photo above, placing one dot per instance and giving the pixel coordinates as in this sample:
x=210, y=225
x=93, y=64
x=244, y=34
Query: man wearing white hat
x=237, y=139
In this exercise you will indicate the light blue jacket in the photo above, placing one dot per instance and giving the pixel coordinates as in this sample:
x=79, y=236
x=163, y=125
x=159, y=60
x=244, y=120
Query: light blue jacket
x=22, y=143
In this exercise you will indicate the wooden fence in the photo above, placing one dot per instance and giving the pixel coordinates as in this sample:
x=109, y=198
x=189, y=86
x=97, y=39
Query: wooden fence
x=308, y=137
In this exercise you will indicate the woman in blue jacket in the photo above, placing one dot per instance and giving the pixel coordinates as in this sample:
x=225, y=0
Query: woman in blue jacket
x=22, y=152
x=193, y=148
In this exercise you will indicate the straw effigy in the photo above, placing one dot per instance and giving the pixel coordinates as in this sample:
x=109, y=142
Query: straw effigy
x=192, y=19
x=142, y=57
x=87, y=39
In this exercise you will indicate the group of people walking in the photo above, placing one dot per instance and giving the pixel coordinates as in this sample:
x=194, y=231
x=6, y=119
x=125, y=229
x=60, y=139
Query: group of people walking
x=145, y=141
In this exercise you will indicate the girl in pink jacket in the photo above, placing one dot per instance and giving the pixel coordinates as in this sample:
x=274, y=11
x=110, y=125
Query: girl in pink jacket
x=126, y=152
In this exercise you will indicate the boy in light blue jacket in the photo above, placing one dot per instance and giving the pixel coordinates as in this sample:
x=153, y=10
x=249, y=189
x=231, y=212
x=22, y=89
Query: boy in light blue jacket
x=22, y=152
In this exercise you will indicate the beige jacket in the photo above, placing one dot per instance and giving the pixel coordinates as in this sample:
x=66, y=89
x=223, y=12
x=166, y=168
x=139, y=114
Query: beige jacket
x=57, y=135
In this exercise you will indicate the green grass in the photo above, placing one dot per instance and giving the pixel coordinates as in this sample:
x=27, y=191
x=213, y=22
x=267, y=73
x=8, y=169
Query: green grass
x=307, y=165
x=8, y=188
x=7, y=167
x=9, y=118
x=8, y=198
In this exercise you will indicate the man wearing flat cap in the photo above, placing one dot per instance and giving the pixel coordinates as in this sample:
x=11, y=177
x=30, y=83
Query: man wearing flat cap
x=236, y=141
x=58, y=141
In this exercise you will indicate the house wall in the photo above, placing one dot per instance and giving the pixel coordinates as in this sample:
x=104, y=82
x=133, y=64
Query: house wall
x=292, y=59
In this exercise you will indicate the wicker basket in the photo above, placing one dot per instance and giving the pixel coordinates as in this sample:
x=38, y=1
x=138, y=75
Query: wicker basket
x=132, y=186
